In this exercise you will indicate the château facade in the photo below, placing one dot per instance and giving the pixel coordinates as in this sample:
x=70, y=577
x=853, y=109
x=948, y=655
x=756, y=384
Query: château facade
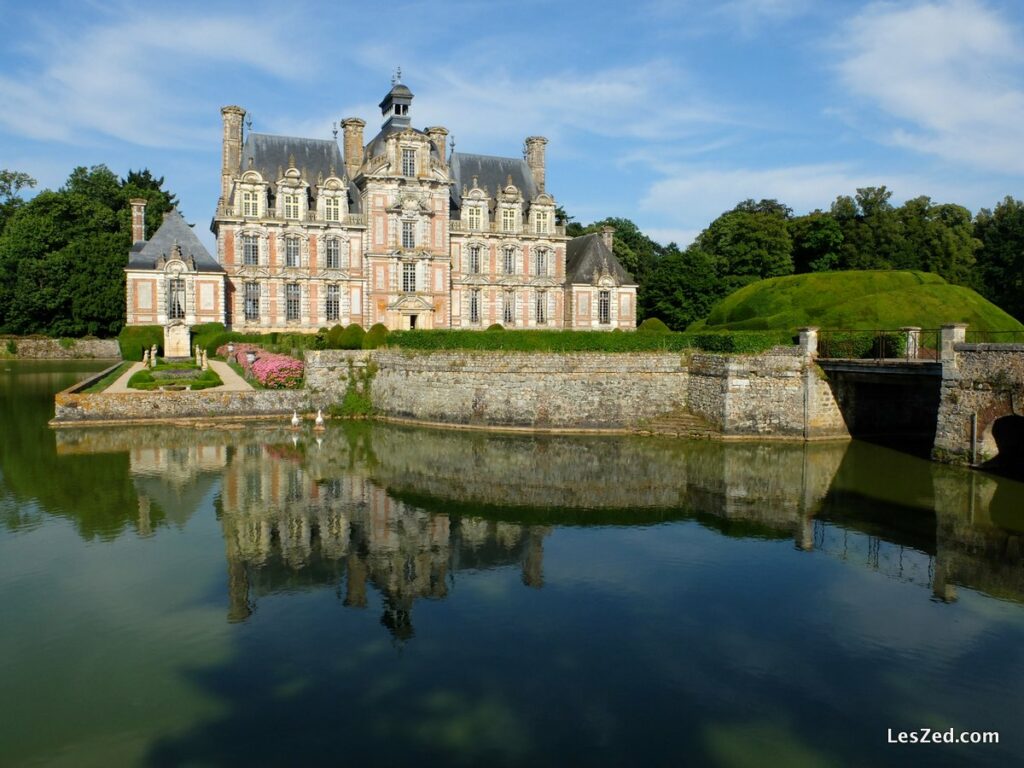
x=397, y=231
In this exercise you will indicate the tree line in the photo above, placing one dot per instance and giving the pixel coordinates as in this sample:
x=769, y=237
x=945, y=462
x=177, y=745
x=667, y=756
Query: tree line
x=756, y=240
x=63, y=253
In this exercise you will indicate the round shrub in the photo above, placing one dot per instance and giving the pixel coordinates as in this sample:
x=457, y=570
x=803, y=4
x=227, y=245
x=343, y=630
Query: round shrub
x=334, y=337
x=496, y=327
x=653, y=325
x=351, y=337
x=377, y=336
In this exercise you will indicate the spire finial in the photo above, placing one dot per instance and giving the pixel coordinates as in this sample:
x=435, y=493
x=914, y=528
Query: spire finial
x=396, y=76
x=334, y=130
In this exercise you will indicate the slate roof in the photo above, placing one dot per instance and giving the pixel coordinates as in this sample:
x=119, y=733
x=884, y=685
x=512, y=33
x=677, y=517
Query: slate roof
x=174, y=231
x=587, y=256
x=316, y=158
x=491, y=172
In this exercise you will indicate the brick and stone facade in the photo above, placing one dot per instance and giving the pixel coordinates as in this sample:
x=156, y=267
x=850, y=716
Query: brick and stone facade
x=399, y=231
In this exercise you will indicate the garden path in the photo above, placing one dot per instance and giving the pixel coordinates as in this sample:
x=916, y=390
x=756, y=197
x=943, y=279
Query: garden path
x=232, y=381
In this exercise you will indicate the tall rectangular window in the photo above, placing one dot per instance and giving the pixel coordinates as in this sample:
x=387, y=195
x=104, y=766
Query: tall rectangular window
x=250, y=204
x=291, y=206
x=604, y=307
x=409, y=277
x=176, y=299
x=250, y=250
x=291, y=252
x=474, y=306
x=473, y=267
x=542, y=222
x=541, y=308
x=541, y=262
x=333, y=254
x=509, y=260
x=252, y=302
x=508, y=308
x=333, y=305
x=332, y=209
x=408, y=234
x=292, y=295
x=473, y=217
x=408, y=162
x=508, y=219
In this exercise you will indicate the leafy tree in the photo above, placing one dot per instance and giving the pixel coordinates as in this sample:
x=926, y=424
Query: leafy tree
x=871, y=230
x=816, y=240
x=683, y=287
x=937, y=238
x=749, y=243
x=1000, y=260
x=62, y=254
x=11, y=183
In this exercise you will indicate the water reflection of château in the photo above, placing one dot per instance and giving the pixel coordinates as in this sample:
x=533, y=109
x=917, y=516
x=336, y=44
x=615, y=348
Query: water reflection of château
x=403, y=510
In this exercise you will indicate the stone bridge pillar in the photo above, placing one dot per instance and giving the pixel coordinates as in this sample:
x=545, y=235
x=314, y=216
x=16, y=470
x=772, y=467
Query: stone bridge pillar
x=913, y=339
x=809, y=341
x=952, y=334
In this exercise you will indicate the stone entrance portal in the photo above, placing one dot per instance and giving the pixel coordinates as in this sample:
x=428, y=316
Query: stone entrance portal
x=176, y=340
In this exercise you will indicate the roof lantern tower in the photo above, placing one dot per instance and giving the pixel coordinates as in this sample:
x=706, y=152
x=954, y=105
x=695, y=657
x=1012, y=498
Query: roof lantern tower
x=395, y=106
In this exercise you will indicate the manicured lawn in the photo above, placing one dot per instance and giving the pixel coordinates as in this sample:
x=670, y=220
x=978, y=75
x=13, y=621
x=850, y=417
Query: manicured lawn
x=109, y=379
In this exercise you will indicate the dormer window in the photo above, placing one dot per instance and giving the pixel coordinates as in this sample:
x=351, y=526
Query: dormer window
x=408, y=161
x=291, y=206
x=508, y=219
x=542, y=222
x=332, y=209
x=473, y=217
x=250, y=204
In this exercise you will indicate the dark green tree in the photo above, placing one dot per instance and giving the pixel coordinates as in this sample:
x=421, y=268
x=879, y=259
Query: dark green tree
x=11, y=184
x=750, y=242
x=683, y=287
x=1000, y=260
x=816, y=241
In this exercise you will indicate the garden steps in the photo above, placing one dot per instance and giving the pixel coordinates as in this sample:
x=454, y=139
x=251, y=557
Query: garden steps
x=680, y=423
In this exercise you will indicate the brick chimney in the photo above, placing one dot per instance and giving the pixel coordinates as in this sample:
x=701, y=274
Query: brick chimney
x=438, y=136
x=534, y=154
x=608, y=237
x=353, y=128
x=232, y=148
x=138, y=219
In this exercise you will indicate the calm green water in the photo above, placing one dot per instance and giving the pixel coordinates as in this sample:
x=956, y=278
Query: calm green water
x=383, y=595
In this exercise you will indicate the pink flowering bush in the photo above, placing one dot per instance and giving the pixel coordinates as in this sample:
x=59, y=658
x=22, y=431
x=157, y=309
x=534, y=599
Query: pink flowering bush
x=277, y=371
x=240, y=355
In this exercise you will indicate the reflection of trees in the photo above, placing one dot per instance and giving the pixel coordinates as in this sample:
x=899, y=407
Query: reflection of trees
x=93, y=491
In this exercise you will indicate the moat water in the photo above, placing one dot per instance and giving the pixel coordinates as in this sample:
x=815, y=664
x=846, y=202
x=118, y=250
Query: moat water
x=381, y=595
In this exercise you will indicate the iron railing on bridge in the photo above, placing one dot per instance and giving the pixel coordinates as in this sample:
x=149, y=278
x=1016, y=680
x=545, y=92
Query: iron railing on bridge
x=995, y=337
x=880, y=344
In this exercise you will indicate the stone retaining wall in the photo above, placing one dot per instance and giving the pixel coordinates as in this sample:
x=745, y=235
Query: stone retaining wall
x=39, y=348
x=539, y=390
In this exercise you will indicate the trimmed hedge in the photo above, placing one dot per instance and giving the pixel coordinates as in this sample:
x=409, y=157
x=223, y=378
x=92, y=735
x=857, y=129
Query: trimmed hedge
x=861, y=344
x=377, y=336
x=136, y=339
x=652, y=325
x=589, y=341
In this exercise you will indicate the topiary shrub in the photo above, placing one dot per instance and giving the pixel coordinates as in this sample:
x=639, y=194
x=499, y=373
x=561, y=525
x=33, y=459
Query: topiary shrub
x=377, y=336
x=653, y=325
x=334, y=337
x=136, y=339
x=496, y=327
x=351, y=337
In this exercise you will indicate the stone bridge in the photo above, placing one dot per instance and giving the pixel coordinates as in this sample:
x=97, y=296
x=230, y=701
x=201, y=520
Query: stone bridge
x=964, y=406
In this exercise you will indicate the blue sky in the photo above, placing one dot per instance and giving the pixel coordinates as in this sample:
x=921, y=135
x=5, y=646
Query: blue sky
x=664, y=112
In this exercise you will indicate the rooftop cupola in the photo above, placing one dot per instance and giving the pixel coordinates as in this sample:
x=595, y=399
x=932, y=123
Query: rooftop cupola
x=395, y=106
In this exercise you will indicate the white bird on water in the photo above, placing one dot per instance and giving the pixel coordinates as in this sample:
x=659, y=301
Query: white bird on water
x=295, y=419
x=319, y=419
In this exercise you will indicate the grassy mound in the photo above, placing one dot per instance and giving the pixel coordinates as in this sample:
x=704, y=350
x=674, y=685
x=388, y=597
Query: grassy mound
x=862, y=300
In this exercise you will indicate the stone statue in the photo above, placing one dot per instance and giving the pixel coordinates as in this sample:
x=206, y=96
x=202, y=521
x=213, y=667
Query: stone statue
x=145, y=358
x=152, y=356
x=204, y=364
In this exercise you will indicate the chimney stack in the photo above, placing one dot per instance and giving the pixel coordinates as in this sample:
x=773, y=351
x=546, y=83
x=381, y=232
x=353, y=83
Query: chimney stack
x=438, y=136
x=353, y=140
x=232, y=152
x=534, y=153
x=138, y=219
x=608, y=237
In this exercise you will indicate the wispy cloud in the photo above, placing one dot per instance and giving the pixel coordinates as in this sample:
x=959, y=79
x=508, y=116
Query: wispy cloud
x=948, y=74
x=134, y=78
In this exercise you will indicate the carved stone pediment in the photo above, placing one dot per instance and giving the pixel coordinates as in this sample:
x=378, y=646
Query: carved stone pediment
x=252, y=271
x=411, y=303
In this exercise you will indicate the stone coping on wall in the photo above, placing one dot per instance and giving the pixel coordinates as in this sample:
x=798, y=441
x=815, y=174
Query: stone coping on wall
x=46, y=348
x=988, y=347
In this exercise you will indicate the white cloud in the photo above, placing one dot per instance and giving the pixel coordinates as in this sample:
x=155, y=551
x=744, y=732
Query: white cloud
x=133, y=80
x=948, y=72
